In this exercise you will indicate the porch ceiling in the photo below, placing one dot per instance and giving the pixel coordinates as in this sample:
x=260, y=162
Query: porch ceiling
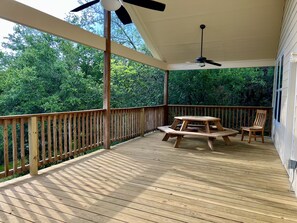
x=245, y=30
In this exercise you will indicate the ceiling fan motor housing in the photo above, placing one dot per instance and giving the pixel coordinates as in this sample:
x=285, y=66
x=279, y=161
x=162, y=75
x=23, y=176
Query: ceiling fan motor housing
x=111, y=5
x=202, y=60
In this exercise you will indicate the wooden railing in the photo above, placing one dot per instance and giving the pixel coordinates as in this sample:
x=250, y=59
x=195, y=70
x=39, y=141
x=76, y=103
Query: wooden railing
x=132, y=122
x=231, y=116
x=60, y=136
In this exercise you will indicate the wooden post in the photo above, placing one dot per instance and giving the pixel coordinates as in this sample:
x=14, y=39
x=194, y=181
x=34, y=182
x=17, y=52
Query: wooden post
x=142, y=122
x=33, y=146
x=166, y=114
x=106, y=96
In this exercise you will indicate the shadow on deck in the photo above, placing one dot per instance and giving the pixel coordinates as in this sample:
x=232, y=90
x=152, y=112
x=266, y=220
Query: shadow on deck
x=147, y=180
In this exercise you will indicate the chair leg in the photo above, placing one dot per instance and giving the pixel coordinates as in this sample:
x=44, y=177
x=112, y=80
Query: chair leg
x=250, y=136
x=262, y=136
x=242, y=134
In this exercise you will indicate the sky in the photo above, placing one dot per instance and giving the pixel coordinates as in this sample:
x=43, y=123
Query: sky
x=57, y=8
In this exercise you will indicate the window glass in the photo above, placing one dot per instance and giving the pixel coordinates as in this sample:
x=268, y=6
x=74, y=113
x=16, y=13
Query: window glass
x=275, y=106
x=277, y=76
x=279, y=106
x=278, y=88
x=281, y=72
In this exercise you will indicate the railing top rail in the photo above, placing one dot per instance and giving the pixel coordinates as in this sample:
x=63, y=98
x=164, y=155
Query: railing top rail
x=8, y=117
x=48, y=114
x=133, y=108
x=221, y=106
x=130, y=108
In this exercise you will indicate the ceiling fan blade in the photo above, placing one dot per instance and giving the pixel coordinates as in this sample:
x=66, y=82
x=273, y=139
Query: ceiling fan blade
x=85, y=6
x=213, y=63
x=149, y=4
x=123, y=15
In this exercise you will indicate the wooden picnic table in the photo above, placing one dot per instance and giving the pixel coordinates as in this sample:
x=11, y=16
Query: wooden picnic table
x=206, y=126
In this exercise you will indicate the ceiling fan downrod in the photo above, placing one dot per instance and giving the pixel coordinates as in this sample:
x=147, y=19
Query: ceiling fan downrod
x=202, y=26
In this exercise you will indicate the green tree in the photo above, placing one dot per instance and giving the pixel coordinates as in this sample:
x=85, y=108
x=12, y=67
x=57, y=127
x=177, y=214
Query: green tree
x=242, y=86
x=134, y=84
x=44, y=75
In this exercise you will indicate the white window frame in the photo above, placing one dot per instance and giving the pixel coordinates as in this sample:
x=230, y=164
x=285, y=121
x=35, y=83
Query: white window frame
x=279, y=72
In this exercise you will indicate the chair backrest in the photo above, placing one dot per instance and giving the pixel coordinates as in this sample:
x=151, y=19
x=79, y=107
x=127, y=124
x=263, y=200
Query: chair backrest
x=260, y=118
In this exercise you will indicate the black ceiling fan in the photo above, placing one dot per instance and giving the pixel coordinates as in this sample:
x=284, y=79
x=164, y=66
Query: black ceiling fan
x=203, y=60
x=122, y=13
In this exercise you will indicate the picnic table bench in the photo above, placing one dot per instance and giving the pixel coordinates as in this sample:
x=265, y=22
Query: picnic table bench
x=206, y=130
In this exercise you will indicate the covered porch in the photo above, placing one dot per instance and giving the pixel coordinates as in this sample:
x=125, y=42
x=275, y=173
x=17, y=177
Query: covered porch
x=147, y=180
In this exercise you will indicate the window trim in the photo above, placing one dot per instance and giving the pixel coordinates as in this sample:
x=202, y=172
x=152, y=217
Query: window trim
x=279, y=72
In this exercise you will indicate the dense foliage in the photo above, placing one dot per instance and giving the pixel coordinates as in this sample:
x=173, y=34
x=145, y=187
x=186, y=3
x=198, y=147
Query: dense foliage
x=43, y=73
x=244, y=86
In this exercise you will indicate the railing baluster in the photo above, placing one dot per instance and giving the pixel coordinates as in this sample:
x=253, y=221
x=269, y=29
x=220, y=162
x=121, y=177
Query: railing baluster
x=79, y=145
x=65, y=136
x=70, y=135
x=14, y=146
x=22, y=141
x=112, y=117
x=49, y=138
x=43, y=153
x=97, y=129
x=87, y=130
x=74, y=135
x=94, y=129
x=55, y=145
x=91, y=130
x=60, y=137
x=6, y=147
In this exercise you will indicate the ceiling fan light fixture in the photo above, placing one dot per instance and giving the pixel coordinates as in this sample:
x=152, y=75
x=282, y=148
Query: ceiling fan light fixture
x=201, y=64
x=119, y=8
x=111, y=5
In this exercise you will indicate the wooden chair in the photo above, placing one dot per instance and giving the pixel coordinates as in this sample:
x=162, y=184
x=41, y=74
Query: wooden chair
x=258, y=126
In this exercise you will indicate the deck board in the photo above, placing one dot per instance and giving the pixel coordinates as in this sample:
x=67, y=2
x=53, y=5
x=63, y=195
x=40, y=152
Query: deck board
x=147, y=180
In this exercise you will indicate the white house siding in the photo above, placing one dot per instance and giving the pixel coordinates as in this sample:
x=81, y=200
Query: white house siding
x=284, y=133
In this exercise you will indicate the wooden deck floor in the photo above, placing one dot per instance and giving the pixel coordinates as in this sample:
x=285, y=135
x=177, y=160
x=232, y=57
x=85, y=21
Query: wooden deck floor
x=147, y=180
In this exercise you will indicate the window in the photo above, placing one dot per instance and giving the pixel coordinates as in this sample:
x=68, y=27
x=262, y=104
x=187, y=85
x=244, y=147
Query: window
x=278, y=88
